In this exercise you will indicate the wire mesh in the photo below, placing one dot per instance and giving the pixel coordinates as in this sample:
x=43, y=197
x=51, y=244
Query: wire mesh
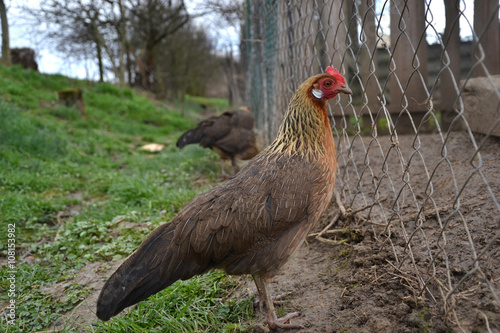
x=417, y=142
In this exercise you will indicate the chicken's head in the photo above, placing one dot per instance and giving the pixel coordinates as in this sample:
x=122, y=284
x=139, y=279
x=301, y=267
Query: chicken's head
x=330, y=85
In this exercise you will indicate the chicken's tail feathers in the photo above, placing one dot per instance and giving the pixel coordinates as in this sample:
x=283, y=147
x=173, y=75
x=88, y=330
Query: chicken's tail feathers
x=152, y=268
x=116, y=294
x=190, y=137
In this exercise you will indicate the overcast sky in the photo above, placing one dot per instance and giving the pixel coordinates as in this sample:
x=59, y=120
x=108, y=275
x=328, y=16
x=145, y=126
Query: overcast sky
x=49, y=61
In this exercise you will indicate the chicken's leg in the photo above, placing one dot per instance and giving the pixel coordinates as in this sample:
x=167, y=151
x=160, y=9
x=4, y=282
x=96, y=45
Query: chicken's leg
x=271, y=319
x=235, y=166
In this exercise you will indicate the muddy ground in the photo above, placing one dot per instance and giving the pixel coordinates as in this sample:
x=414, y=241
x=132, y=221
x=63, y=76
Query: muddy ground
x=407, y=255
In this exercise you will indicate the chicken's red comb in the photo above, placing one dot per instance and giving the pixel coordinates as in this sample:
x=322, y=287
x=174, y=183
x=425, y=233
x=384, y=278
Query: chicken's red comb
x=334, y=72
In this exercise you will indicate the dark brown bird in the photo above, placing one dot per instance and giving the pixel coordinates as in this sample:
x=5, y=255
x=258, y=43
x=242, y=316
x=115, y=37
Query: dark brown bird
x=230, y=135
x=252, y=223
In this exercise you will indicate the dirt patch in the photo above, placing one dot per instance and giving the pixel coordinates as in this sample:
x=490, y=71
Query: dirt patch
x=92, y=276
x=343, y=289
x=356, y=288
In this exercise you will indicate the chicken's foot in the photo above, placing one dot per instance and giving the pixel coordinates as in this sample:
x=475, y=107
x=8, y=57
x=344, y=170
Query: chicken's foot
x=279, y=299
x=271, y=319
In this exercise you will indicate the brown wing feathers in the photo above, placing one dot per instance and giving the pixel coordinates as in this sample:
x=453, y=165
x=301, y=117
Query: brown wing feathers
x=206, y=133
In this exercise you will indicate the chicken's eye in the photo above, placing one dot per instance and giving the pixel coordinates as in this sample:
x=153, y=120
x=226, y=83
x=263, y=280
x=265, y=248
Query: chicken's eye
x=328, y=83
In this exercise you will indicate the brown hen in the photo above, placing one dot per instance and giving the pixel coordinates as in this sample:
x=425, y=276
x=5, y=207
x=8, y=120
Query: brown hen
x=252, y=223
x=230, y=135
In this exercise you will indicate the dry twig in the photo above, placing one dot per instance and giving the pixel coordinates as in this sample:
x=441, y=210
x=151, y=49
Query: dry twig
x=346, y=213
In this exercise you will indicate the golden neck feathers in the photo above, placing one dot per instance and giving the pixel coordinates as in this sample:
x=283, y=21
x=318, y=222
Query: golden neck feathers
x=305, y=125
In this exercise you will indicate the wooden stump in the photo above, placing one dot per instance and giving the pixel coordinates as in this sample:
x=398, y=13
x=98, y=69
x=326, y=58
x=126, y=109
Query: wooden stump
x=25, y=57
x=73, y=96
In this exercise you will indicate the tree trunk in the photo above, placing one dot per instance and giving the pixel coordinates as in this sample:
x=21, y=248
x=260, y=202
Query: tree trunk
x=5, y=35
x=129, y=64
x=123, y=34
x=98, y=50
x=99, y=61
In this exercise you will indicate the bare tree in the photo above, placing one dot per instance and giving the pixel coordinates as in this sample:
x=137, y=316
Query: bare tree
x=76, y=26
x=5, y=35
x=152, y=21
x=231, y=13
x=120, y=24
x=111, y=33
x=187, y=62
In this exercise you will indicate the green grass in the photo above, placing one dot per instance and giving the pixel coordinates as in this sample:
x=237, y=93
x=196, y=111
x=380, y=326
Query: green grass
x=187, y=306
x=65, y=182
x=215, y=103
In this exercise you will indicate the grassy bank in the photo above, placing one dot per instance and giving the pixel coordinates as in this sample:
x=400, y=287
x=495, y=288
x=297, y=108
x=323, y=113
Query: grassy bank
x=79, y=190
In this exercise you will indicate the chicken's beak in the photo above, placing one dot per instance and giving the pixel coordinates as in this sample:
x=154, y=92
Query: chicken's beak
x=344, y=89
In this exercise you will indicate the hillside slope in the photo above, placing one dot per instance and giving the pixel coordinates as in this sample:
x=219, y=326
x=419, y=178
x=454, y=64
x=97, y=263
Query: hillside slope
x=78, y=192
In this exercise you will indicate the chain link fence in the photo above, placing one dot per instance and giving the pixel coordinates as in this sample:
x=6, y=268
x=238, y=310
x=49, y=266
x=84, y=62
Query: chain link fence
x=417, y=142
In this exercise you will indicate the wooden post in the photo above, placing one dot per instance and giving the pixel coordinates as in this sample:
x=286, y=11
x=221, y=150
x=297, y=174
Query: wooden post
x=489, y=33
x=450, y=78
x=334, y=35
x=332, y=26
x=297, y=53
x=368, y=56
x=407, y=35
x=287, y=57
